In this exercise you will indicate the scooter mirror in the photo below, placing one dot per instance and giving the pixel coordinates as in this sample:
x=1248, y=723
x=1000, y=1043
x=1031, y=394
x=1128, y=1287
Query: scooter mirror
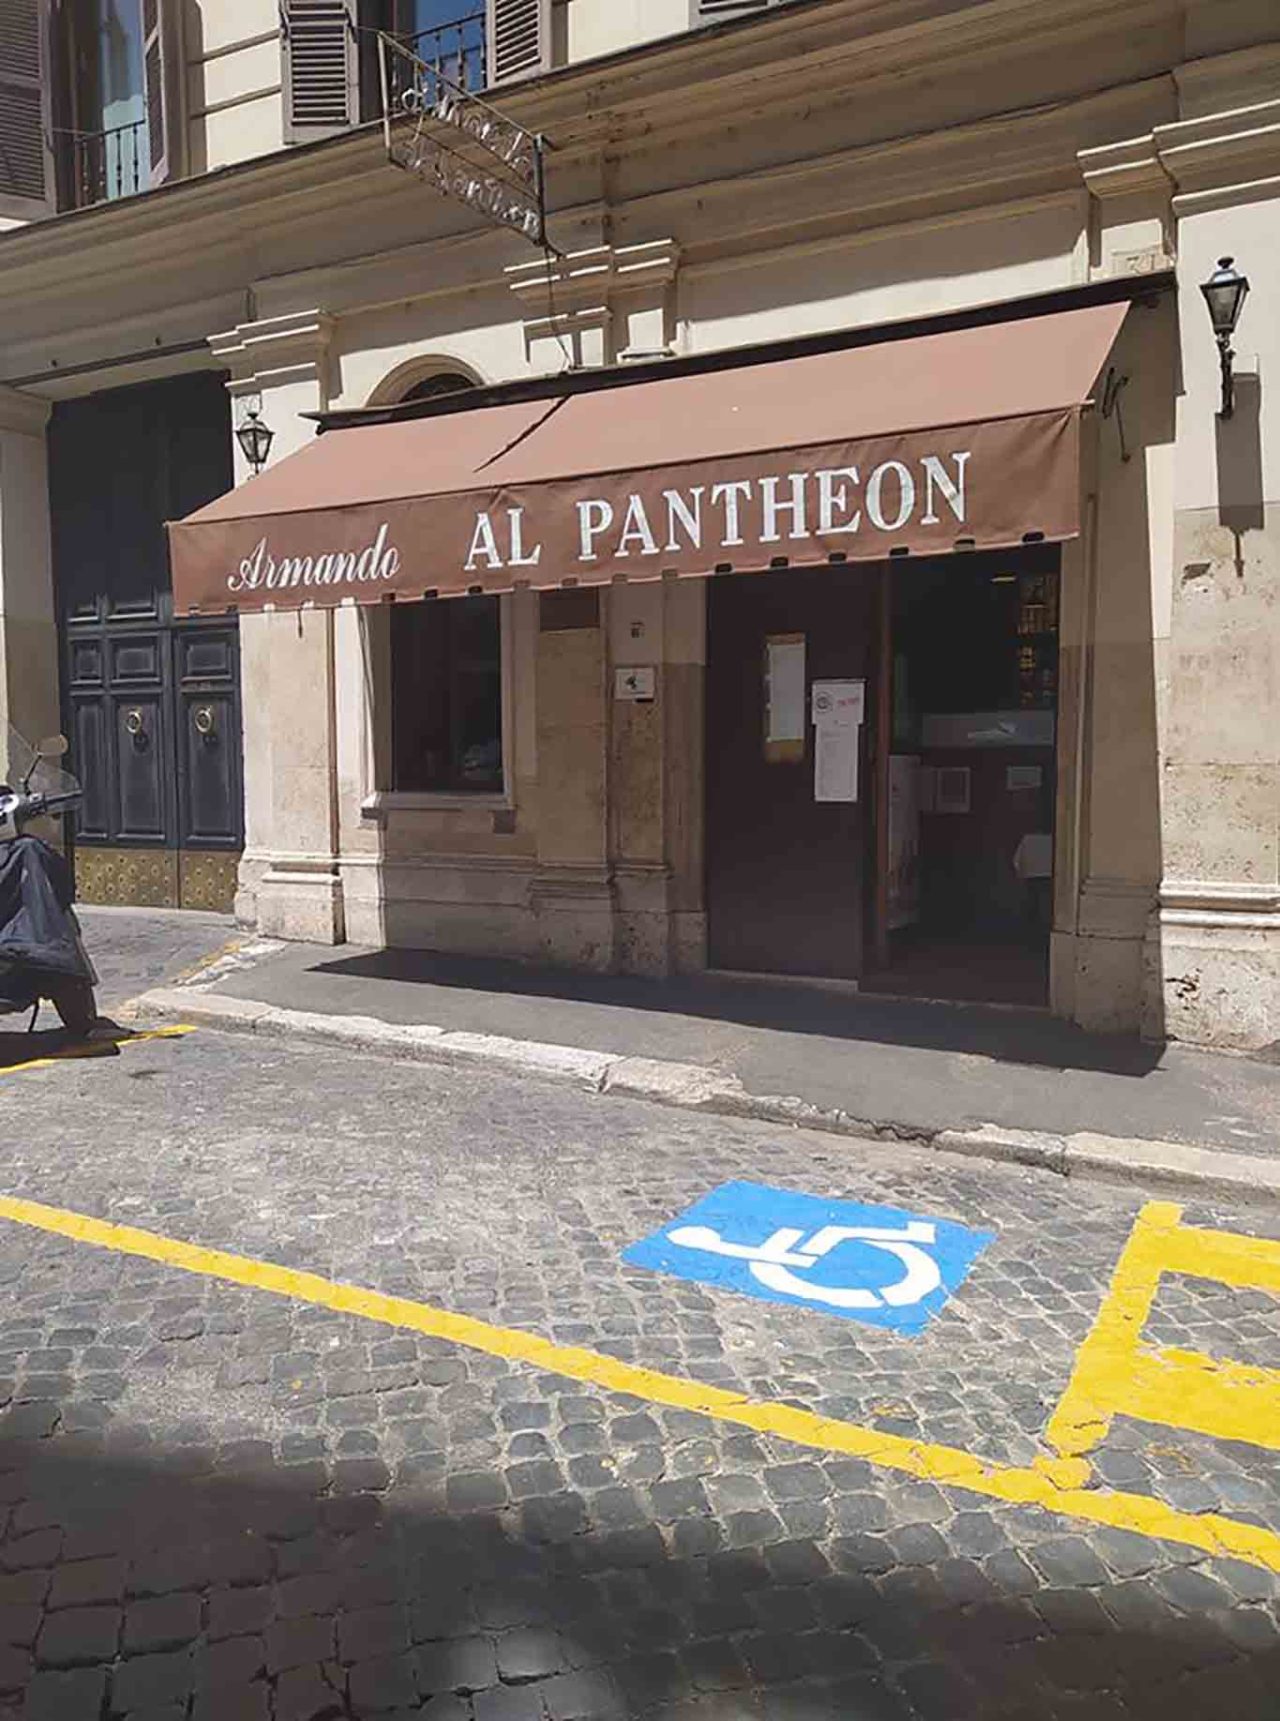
x=52, y=747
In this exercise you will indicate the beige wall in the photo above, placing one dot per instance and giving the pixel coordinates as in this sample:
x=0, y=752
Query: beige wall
x=233, y=69
x=1108, y=861
x=232, y=54
x=28, y=638
x=1216, y=958
x=591, y=27
x=289, y=877
x=448, y=871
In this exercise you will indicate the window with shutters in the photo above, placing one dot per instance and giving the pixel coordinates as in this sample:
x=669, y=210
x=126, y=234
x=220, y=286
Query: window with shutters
x=90, y=101
x=319, y=42
x=519, y=39
x=331, y=73
x=26, y=169
x=156, y=91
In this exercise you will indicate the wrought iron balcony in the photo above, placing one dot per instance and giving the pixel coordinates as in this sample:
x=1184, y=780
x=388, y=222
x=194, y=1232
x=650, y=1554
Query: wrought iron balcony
x=100, y=166
x=455, y=52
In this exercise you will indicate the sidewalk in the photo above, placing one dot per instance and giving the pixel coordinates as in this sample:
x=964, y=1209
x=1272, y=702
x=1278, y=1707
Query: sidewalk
x=136, y=948
x=1008, y=1084
x=132, y=949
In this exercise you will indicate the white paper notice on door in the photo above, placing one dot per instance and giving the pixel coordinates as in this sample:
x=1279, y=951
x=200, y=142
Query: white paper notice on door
x=785, y=669
x=835, y=761
x=839, y=702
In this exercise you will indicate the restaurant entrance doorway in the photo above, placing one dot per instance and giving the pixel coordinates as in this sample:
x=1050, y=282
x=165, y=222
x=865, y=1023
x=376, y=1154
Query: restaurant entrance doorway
x=971, y=777
x=787, y=870
x=909, y=846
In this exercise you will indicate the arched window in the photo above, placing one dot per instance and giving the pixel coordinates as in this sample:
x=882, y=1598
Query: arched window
x=426, y=377
x=433, y=387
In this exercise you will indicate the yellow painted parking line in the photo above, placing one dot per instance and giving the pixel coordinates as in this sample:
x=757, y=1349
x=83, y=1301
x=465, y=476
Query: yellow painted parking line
x=97, y=1048
x=1058, y=1487
x=1116, y=1374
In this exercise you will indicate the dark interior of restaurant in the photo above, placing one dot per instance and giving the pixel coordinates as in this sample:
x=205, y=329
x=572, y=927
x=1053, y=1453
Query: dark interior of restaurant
x=972, y=776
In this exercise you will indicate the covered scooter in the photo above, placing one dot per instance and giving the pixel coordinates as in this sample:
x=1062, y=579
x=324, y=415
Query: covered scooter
x=41, y=952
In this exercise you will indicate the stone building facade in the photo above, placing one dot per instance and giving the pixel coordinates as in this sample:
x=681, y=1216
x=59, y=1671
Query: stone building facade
x=720, y=191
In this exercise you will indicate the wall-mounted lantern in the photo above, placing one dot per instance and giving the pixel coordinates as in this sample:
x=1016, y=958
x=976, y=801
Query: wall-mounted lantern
x=1225, y=292
x=255, y=438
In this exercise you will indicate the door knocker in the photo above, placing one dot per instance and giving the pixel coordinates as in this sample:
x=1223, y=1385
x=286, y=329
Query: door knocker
x=135, y=727
x=206, y=722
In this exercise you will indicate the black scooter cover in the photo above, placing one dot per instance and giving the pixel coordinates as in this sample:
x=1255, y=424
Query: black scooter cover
x=36, y=931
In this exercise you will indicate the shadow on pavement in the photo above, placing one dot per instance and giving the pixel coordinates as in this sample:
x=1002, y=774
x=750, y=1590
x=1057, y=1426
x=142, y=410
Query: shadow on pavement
x=1006, y=1035
x=17, y=1049
x=219, y=1584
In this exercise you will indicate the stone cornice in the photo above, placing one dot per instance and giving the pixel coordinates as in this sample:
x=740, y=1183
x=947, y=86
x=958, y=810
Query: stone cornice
x=837, y=51
x=601, y=288
x=590, y=276
x=1214, y=903
x=1002, y=159
x=275, y=351
x=1223, y=83
x=802, y=54
x=1124, y=169
x=1006, y=159
x=301, y=338
x=1221, y=149
x=1235, y=195
x=1191, y=162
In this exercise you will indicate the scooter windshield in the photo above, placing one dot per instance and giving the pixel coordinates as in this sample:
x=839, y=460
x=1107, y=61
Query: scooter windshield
x=23, y=764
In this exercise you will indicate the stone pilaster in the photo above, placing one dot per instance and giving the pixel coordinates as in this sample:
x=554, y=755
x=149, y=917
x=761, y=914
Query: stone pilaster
x=28, y=625
x=656, y=776
x=1214, y=952
x=572, y=890
x=290, y=879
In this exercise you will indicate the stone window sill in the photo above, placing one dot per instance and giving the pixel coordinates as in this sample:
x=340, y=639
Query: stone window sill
x=429, y=801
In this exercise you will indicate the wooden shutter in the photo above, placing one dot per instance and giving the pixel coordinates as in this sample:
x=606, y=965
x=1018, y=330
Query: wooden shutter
x=518, y=38
x=26, y=163
x=163, y=71
x=321, y=68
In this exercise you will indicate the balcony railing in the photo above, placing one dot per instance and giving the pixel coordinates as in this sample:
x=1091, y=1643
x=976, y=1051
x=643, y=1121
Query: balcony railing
x=450, y=54
x=100, y=166
x=103, y=165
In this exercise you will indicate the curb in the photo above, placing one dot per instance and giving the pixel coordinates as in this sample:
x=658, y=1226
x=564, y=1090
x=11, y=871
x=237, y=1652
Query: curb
x=1129, y=1161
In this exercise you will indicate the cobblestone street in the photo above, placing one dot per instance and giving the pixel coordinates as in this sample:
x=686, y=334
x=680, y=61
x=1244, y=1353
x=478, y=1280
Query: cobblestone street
x=224, y=1502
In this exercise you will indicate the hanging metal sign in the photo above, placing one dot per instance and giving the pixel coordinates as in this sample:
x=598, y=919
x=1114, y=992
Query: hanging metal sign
x=439, y=129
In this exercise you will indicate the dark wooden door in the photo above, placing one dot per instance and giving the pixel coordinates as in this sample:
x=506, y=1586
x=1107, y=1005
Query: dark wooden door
x=152, y=700
x=787, y=875
x=206, y=685
x=119, y=699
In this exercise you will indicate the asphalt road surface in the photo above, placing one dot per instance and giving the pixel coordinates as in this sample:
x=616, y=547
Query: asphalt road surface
x=723, y=1480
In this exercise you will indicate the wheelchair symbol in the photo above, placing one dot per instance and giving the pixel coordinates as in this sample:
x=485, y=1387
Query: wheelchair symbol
x=780, y=1259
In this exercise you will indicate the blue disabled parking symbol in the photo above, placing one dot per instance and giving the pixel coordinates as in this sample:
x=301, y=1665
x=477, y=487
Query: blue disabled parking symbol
x=881, y=1265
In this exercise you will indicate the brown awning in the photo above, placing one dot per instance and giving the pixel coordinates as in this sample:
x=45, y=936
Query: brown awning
x=967, y=438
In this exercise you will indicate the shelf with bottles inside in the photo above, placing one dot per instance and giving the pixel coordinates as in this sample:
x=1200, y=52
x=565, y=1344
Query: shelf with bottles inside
x=1037, y=643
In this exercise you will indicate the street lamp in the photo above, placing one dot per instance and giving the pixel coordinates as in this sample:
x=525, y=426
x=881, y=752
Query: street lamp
x=255, y=439
x=1225, y=292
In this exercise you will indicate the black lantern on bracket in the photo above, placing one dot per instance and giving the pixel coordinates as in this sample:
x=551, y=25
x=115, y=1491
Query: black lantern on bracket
x=255, y=439
x=1225, y=292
